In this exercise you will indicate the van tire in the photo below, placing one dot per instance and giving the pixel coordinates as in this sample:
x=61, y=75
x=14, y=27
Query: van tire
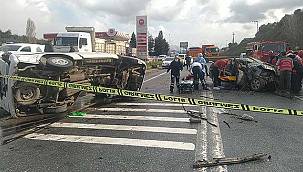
x=59, y=62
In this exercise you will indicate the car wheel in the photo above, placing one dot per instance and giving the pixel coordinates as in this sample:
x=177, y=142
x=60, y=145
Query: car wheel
x=59, y=62
x=257, y=84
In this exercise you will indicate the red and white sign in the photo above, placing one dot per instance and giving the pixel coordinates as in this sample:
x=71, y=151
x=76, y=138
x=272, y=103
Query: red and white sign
x=141, y=28
x=141, y=22
x=111, y=32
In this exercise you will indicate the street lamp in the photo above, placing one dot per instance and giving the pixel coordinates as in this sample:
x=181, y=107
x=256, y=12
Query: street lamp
x=257, y=24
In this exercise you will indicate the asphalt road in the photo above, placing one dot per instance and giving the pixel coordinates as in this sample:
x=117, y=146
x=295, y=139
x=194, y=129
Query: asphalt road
x=151, y=136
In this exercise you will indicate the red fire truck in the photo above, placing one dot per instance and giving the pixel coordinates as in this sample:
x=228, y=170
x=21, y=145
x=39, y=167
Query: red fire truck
x=265, y=49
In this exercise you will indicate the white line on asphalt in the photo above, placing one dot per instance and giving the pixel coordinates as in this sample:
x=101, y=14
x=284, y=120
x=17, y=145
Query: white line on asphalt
x=126, y=128
x=217, y=151
x=154, y=77
x=154, y=104
x=141, y=110
x=112, y=141
x=201, y=149
x=143, y=118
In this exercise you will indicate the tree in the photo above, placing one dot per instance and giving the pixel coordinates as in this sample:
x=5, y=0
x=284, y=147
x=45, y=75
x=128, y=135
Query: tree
x=133, y=41
x=161, y=45
x=151, y=43
x=31, y=31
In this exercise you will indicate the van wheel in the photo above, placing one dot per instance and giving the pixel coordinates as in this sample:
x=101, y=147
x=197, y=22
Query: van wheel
x=59, y=62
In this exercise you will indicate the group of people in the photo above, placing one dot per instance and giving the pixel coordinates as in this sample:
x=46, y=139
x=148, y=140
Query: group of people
x=290, y=70
x=198, y=69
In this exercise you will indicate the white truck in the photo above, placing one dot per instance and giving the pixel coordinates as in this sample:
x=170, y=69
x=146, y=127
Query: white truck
x=82, y=39
x=83, y=66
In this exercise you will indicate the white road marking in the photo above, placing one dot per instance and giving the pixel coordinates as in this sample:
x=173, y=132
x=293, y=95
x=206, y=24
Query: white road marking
x=112, y=141
x=141, y=110
x=124, y=117
x=154, y=77
x=126, y=128
x=201, y=150
x=155, y=104
x=217, y=147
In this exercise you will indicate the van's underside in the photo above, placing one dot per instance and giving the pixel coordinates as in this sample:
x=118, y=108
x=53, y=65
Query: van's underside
x=27, y=98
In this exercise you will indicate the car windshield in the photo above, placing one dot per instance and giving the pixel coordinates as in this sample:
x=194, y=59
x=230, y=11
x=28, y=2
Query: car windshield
x=66, y=41
x=274, y=47
x=9, y=47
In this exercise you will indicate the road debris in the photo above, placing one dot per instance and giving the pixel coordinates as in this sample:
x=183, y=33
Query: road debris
x=77, y=114
x=197, y=115
x=244, y=117
x=229, y=161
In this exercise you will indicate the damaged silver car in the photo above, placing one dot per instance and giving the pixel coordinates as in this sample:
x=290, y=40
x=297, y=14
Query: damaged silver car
x=248, y=74
x=98, y=69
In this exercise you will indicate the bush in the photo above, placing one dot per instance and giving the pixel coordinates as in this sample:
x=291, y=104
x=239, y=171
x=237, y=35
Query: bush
x=153, y=64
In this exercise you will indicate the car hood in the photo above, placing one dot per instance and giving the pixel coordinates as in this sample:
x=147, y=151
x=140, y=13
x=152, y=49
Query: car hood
x=262, y=65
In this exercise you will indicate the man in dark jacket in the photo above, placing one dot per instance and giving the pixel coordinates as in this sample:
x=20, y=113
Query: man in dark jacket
x=187, y=62
x=175, y=67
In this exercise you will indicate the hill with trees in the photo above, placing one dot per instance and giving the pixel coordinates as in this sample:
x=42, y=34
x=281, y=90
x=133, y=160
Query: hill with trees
x=289, y=29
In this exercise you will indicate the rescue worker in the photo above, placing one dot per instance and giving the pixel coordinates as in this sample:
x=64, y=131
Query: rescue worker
x=187, y=62
x=175, y=67
x=297, y=73
x=199, y=74
x=217, y=68
x=201, y=59
x=285, y=66
x=203, y=62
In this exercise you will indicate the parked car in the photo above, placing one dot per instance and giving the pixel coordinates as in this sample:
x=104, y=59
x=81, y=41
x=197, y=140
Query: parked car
x=162, y=57
x=166, y=62
x=90, y=68
x=22, y=48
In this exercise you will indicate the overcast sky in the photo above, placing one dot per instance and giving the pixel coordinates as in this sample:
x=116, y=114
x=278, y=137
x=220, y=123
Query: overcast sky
x=196, y=21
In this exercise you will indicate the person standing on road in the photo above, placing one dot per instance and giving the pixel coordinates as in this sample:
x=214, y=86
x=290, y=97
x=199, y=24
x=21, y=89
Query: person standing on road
x=175, y=67
x=297, y=72
x=199, y=74
x=187, y=62
x=203, y=62
x=285, y=66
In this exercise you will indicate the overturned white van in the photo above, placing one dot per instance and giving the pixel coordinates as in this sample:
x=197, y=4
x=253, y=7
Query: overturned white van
x=91, y=68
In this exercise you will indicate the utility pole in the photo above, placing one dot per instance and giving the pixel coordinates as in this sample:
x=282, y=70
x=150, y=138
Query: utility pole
x=257, y=24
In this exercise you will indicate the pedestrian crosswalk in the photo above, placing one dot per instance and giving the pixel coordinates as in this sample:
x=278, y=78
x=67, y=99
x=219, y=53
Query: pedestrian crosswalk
x=153, y=122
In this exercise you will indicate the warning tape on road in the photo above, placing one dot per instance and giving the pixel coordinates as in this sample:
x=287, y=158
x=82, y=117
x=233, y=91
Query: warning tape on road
x=152, y=96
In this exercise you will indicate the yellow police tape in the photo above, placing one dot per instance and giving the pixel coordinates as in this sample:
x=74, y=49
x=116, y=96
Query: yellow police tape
x=152, y=96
